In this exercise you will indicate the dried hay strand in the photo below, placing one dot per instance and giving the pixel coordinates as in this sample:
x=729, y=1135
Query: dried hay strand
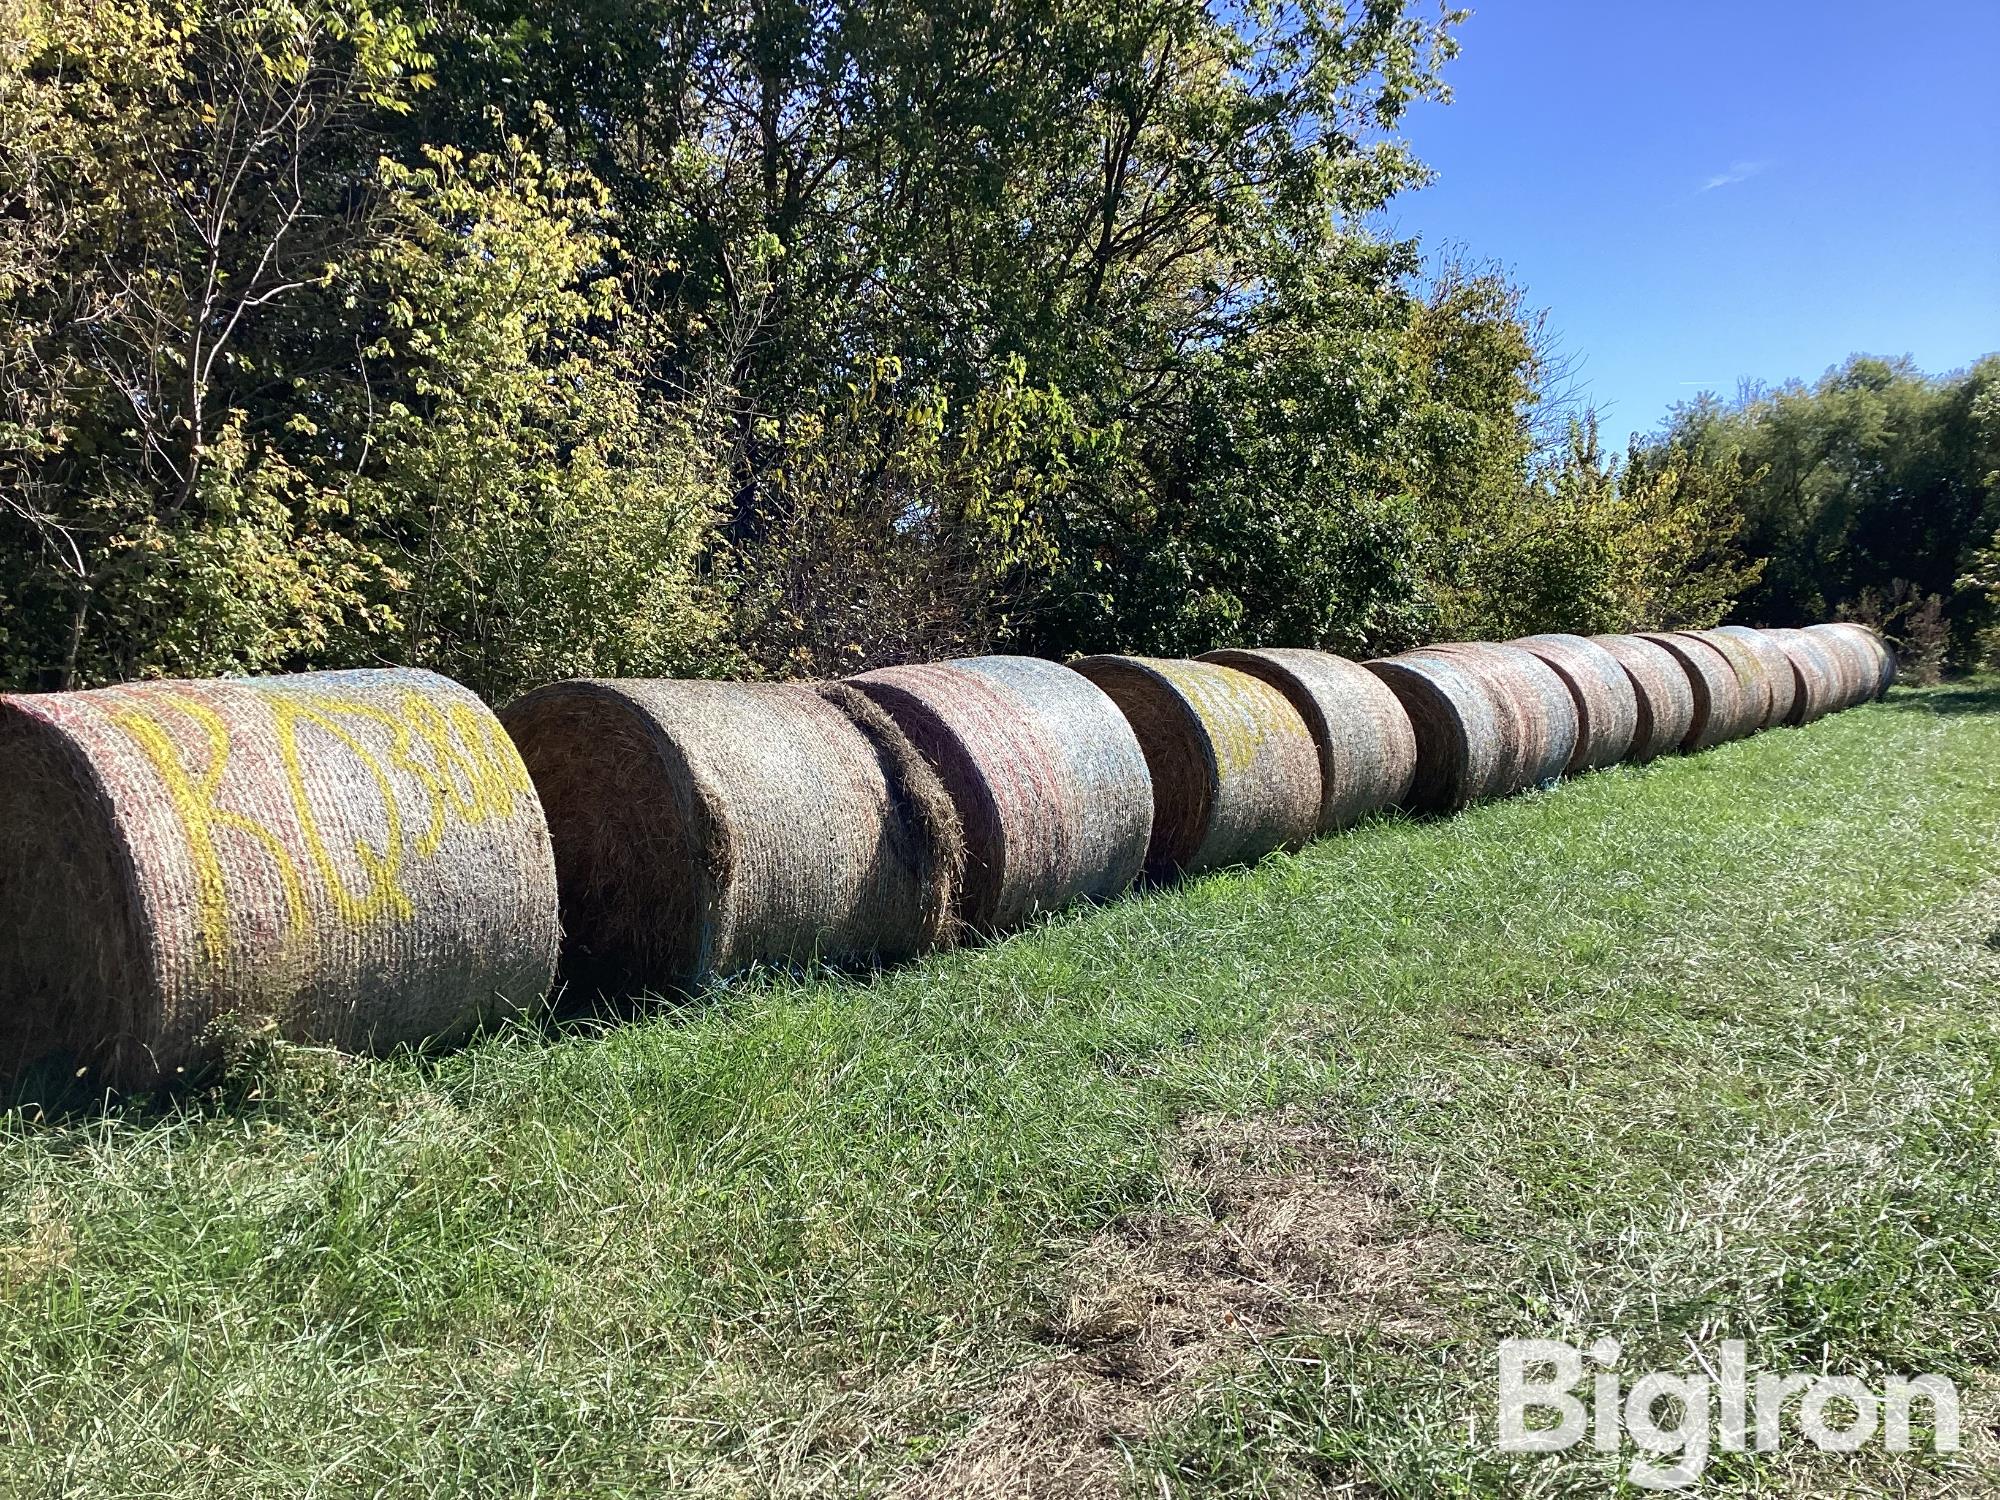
x=1367, y=749
x=1666, y=697
x=1876, y=661
x=1457, y=721
x=357, y=859
x=1607, y=702
x=702, y=827
x=1046, y=775
x=1781, y=681
x=1722, y=711
x=1536, y=706
x=1819, y=674
x=1754, y=685
x=1235, y=771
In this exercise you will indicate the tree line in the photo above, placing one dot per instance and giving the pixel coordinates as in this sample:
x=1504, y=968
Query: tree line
x=801, y=336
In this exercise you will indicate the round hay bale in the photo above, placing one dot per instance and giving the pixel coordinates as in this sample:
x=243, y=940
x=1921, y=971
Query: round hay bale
x=702, y=827
x=1819, y=677
x=1877, y=661
x=1723, y=711
x=1755, y=689
x=1780, y=680
x=1044, y=771
x=1537, y=704
x=1235, y=771
x=1367, y=749
x=1665, y=695
x=1464, y=736
x=357, y=858
x=1855, y=661
x=1607, y=703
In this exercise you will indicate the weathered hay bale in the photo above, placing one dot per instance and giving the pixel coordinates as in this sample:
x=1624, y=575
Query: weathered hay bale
x=1235, y=772
x=1819, y=676
x=1367, y=749
x=1780, y=680
x=1665, y=695
x=1723, y=711
x=702, y=827
x=1466, y=742
x=1877, y=661
x=1538, y=705
x=1607, y=703
x=358, y=858
x=1753, y=681
x=1856, y=663
x=1044, y=771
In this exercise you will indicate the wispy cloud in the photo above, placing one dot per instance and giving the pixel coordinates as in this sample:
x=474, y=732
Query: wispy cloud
x=1739, y=171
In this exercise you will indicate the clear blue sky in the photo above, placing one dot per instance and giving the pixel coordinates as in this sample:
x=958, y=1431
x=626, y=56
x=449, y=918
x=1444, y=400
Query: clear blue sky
x=1703, y=193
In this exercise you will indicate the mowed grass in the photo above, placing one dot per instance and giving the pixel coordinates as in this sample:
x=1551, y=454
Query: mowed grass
x=1690, y=1052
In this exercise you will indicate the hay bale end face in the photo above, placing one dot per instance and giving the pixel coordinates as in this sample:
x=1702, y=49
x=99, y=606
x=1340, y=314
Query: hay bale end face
x=1875, y=663
x=1537, y=712
x=1722, y=712
x=702, y=827
x=1756, y=691
x=358, y=858
x=1367, y=749
x=1046, y=775
x=1456, y=721
x=1819, y=677
x=1234, y=768
x=1607, y=703
x=1780, y=680
x=1665, y=696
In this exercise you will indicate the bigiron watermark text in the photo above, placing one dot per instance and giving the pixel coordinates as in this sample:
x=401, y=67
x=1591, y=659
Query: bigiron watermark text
x=1554, y=1394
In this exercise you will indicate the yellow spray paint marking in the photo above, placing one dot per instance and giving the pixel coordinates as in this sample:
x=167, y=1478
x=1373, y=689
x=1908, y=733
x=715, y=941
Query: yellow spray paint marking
x=465, y=767
x=384, y=893
x=1234, y=727
x=194, y=806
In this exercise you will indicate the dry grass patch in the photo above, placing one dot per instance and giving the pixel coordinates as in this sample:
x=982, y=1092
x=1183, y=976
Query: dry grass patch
x=1274, y=1228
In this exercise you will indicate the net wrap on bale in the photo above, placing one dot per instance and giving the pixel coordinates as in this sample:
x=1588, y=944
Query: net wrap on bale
x=1537, y=714
x=1607, y=703
x=1722, y=711
x=1367, y=748
x=1819, y=677
x=355, y=858
x=1757, y=692
x=1235, y=772
x=1664, y=693
x=702, y=827
x=1780, y=679
x=1873, y=663
x=1046, y=775
x=1458, y=728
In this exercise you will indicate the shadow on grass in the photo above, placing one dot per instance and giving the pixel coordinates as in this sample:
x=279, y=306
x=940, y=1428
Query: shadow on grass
x=1980, y=696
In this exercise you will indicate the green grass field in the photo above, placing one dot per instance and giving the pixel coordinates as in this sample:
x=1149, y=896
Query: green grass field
x=1229, y=1189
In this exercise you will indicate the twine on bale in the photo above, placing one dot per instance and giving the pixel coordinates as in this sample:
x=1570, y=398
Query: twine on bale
x=1048, y=779
x=702, y=827
x=1234, y=768
x=1721, y=710
x=1607, y=703
x=1367, y=748
x=1781, y=681
x=1536, y=711
x=1755, y=688
x=1457, y=724
x=1818, y=674
x=356, y=858
x=1875, y=663
x=1665, y=695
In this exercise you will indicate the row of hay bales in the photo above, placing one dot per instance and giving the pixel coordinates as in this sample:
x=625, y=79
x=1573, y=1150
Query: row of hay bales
x=369, y=858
